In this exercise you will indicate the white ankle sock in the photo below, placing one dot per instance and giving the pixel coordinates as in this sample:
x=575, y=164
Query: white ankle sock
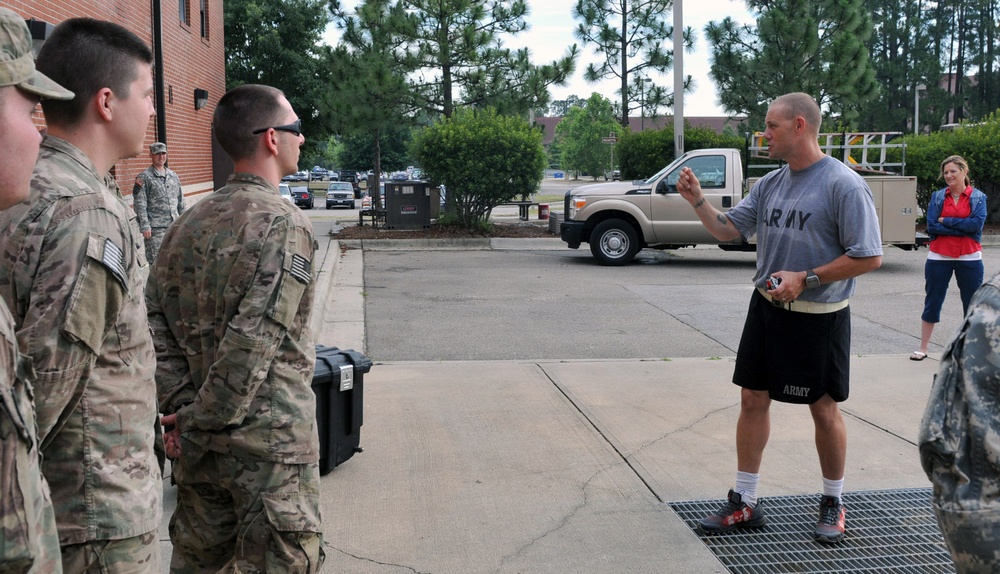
x=833, y=488
x=746, y=486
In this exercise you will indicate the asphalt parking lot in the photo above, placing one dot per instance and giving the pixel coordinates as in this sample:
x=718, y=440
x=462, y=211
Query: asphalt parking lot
x=427, y=305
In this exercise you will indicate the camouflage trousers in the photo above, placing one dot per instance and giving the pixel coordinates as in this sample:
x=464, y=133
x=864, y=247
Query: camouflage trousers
x=28, y=539
x=136, y=555
x=971, y=536
x=154, y=242
x=242, y=516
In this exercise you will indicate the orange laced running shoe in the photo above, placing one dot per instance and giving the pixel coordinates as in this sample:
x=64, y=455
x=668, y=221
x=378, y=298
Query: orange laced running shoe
x=830, y=528
x=734, y=514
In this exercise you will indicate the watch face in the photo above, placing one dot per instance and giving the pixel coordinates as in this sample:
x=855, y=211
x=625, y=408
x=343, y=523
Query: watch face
x=812, y=280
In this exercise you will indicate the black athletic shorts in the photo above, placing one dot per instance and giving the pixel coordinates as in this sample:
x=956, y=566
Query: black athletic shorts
x=796, y=357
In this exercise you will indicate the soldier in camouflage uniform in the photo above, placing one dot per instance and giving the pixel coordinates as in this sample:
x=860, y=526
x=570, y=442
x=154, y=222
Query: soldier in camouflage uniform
x=959, y=448
x=157, y=199
x=229, y=300
x=28, y=538
x=73, y=276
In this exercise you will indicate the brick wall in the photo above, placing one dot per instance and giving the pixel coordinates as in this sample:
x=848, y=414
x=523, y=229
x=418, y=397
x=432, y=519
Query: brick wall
x=189, y=61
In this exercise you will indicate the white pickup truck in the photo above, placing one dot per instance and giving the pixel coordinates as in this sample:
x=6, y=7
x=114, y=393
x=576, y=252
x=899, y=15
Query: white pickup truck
x=618, y=219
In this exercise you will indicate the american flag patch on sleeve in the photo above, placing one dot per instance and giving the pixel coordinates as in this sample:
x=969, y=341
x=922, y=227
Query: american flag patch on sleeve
x=114, y=260
x=301, y=268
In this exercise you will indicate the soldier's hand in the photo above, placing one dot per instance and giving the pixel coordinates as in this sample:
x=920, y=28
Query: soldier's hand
x=147, y=234
x=792, y=285
x=171, y=436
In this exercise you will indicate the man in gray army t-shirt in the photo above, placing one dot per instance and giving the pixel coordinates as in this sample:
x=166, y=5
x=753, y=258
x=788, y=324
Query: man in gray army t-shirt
x=157, y=198
x=816, y=229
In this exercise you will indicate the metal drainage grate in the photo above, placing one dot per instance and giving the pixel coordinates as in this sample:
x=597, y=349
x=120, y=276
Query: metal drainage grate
x=887, y=531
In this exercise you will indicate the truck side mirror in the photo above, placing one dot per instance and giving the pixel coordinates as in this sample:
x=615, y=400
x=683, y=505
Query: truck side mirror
x=663, y=188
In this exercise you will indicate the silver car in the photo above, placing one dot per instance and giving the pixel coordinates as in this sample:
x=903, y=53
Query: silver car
x=340, y=193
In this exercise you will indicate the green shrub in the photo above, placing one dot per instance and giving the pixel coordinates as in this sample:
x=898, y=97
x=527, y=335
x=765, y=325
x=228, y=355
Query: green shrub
x=980, y=146
x=484, y=159
x=644, y=153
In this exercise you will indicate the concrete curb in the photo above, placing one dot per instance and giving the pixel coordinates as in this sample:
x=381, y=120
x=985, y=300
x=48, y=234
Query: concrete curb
x=326, y=260
x=498, y=243
x=464, y=244
x=338, y=318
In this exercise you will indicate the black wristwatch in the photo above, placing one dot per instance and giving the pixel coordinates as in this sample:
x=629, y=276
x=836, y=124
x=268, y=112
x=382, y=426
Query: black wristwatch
x=812, y=280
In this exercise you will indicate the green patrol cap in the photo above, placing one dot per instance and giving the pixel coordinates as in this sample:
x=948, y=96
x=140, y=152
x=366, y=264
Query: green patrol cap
x=17, y=66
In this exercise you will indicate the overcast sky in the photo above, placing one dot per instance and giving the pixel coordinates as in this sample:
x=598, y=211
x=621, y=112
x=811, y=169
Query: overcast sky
x=550, y=32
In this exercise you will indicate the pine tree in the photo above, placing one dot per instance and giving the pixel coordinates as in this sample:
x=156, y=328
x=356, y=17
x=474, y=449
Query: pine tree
x=811, y=46
x=370, y=93
x=631, y=34
x=459, y=57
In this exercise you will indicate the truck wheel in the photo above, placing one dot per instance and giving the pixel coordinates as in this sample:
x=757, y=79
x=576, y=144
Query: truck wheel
x=614, y=242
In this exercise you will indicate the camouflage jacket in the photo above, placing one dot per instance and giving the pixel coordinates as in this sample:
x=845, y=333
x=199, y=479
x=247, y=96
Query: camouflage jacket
x=28, y=538
x=73, y=279
x=959, y=448
x=157, y=199
x=229, y=301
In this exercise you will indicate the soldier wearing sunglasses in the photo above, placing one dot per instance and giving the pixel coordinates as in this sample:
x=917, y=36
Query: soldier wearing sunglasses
x=229, y=299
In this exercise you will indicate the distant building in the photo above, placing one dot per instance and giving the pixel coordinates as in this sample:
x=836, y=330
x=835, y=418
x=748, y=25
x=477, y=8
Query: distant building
x=950, y=83
x=717, y=123
x=191, y=41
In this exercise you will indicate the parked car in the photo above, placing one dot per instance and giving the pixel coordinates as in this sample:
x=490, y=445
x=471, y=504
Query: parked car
x=340, y=193
x=349, y=175
x=303, y=196
x=285, y=192
x=299, y=176
x=399, y=176
x=319, y=173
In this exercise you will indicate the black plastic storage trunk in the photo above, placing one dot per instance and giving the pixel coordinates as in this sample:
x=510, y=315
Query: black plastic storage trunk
x=338, y=383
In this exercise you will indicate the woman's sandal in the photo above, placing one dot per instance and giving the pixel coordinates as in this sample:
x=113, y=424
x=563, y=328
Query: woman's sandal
x=918, y=356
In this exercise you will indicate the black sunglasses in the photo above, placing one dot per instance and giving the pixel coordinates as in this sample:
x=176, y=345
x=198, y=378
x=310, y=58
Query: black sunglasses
x=293, y=128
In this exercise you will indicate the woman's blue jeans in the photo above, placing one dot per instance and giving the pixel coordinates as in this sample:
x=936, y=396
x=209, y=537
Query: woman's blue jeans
x=937, y=276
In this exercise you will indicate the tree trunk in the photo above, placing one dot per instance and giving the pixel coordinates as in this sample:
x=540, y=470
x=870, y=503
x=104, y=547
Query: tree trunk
x=375, y=192
x=960, y=63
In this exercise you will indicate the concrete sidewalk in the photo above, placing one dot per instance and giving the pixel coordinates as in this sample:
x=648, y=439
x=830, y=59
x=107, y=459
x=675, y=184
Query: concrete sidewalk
x=566, y=466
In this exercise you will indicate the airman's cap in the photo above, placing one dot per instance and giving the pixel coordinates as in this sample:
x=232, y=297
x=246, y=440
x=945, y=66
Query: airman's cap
x=157, y=147
x=17, y=66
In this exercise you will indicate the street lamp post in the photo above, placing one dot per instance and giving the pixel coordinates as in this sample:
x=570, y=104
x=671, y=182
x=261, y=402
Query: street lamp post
x=916, y=106
x=642, y=101
x=642, y=105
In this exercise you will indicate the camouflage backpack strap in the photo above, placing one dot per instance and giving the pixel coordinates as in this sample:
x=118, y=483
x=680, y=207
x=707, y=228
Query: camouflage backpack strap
x=958, y=437
x=944, y=417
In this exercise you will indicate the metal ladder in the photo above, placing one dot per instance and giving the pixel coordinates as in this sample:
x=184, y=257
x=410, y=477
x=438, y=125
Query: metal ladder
x=863, y=151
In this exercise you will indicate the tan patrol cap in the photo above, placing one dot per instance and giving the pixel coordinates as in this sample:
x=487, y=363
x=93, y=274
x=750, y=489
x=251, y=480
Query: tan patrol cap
x=157, y=147
x=17, y=66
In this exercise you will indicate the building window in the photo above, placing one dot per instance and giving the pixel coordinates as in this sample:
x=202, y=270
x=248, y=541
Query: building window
x=204, y=18
x=184, y=9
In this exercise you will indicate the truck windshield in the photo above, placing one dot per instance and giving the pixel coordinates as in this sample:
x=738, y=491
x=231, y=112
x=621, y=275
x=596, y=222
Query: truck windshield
x=709, y=169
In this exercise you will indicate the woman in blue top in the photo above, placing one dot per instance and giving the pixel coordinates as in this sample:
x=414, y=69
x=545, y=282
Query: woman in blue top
x=955, y=218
